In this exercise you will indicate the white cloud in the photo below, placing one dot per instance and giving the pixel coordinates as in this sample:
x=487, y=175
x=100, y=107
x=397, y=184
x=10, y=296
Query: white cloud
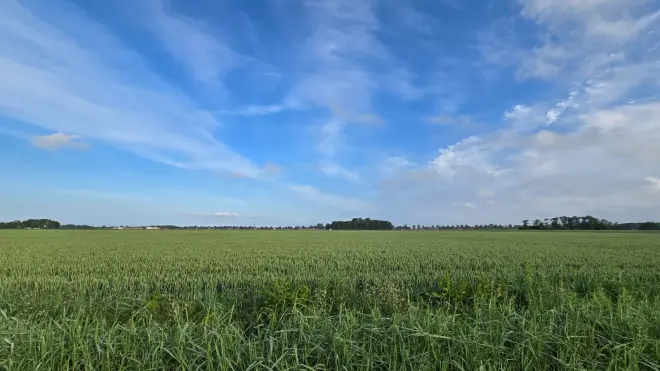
x=554, y=113
x=334, y=201
x=58, y=140
x=441, y=120
x=654, y=182
x=69, y=75
x=485, y=192
x=518, y=112
x=584, y=36
x=335, y=170
x=607, y=18
x=398, y=162
x=412, y=18
x=576, y=39
x=344, y=115
x=449, y=120
x=257, y=110
x=595, y=168
x=345, y=64
x=589, y=145
x=331, y=135
x=191, y=42
x=547, y=138
x=342, y=31
x=545, y=61
x=468, y=156
x=102, y=194
x=595, y=143
x=394, y=164
x=219, y=214
x=618, y=84
x=330, y=138
x=525, y=118
x=271, y=168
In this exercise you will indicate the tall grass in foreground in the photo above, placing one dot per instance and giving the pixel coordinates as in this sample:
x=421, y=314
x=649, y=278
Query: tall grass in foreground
x=447, y=301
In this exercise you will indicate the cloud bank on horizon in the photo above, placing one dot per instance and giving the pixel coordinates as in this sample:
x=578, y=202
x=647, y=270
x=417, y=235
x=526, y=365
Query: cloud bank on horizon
x=298, y=112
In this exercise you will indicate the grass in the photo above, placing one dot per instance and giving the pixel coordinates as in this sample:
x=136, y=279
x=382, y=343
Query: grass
x=209, y=300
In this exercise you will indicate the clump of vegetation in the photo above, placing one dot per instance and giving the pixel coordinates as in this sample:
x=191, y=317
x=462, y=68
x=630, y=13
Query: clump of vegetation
x=348, y=300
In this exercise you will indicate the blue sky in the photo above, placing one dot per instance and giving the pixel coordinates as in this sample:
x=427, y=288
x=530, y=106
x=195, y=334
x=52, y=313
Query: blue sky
x=297, y=112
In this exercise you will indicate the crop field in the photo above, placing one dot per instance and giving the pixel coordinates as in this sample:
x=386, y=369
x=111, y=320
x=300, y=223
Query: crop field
x=329, y=300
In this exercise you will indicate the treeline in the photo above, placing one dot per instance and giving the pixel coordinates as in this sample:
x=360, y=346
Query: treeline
x=31, y=224
x=318, y=226
x=360, y=224
x=456, y=227
x=557, y=223
x=585, y=223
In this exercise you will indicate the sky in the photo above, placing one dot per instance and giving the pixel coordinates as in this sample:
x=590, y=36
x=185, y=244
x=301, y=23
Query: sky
x=287, y=112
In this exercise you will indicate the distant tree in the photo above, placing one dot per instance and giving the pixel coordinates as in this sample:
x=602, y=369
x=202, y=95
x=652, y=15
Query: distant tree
x=31, y=223
x=554, y=224
x=587, y=222
x=649, y=226
x=361, y=224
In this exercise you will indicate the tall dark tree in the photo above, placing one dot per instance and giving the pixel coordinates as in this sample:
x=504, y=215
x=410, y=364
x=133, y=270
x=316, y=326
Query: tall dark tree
x=31, y=223
x=361, y=224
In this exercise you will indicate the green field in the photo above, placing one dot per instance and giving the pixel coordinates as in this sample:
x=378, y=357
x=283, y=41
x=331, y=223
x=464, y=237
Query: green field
x=210, y=300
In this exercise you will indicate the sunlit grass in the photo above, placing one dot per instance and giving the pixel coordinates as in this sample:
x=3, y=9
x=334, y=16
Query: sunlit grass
x=209, y=300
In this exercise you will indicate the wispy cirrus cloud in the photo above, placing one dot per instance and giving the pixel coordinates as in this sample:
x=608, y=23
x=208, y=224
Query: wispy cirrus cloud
x=577, y=39
x=58, y=140
x=600, y=168
x=586, y=147
x=342, y=32
x=469, y=205
x=330, y=200
x=218, y=214
x=103, y=194
x=346, y=65
x=566, y=123
x=334, y=170
x=192, y=42
x=653, y=182
x=347, y=116
x=444, y=120
x=395, y=164
x=86, y=82
x=456, y=122
x=257, y=110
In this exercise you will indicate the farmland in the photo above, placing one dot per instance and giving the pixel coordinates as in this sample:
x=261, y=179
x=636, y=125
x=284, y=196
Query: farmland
x=208, y=300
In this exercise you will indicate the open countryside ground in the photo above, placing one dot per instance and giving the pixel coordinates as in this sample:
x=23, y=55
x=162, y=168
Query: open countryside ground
x=208, y=300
